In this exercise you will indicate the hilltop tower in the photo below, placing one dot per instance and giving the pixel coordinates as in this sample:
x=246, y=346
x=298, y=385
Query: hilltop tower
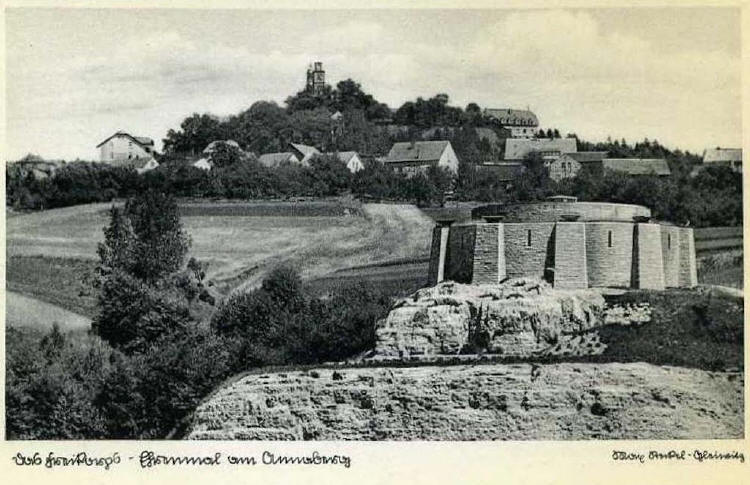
x=316, y=78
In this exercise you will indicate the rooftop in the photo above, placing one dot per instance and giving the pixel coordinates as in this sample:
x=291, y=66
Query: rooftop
x=518, y=148
x=637, y=166
x=511, y=117
x=420, y=151
x=722, y=155
x=274, y=159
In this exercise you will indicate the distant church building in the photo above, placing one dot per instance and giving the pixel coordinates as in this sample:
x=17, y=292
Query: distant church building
x=316, y=79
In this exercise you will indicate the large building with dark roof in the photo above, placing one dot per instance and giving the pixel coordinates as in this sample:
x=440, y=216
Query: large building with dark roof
x=568, y=165
x=521, y=123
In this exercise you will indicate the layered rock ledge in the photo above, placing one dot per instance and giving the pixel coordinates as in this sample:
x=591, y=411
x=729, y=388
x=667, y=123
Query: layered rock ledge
x=481, y=402
x=518, y=318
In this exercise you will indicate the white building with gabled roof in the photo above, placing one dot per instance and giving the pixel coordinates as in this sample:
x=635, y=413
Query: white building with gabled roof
x=124, y=146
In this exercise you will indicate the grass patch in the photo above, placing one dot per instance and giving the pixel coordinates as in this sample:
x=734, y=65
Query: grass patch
x=25, y=312
x=395, y=285
x=687, y=329
x=725, y=269
x=65, y=282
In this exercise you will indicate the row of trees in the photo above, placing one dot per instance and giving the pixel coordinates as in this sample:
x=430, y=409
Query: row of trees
x=713, y=197
x=153, y=355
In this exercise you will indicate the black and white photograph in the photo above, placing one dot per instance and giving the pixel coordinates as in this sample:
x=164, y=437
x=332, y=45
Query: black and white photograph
x=422, y=225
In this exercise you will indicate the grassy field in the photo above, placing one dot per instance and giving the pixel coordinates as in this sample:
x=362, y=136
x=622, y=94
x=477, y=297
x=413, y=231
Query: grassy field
x=65, y=282
x=23, y=311
x=51, y=255
x=241, y=242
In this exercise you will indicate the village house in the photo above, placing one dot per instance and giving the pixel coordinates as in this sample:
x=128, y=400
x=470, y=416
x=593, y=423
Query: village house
x=521, y=123
x=303, y=152
x=275, y=159
x=569, y=164
x=416, y=157
x=731, y=157
x=350, y=159
x=549, y=148
x=124, y=146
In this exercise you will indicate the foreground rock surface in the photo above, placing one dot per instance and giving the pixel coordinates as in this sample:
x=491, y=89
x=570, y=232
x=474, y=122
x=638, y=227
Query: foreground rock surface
x=517, y=318
x=480, y=402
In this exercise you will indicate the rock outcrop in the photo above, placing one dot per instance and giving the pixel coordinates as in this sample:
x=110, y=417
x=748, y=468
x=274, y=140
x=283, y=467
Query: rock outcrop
x=517, y=318
x=480, y=402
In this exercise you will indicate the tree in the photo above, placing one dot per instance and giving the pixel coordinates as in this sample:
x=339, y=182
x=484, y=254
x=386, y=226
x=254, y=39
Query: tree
x=161, y=244
x=305, y=100
x=329, y=176
x=143, y=244
x=534, y=183
x=119, y=249
x=195, y=133
x=226, y=155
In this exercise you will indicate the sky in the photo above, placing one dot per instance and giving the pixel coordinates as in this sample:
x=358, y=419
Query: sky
x=75, y=76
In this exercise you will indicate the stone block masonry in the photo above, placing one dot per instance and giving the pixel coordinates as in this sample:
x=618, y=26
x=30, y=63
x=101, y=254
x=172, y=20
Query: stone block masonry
x=435, y=271
x=688, y=275
x=670, y=250
x=486, y=261
x=609, y=253
x=528, y=249
x=567, y=244
x=459, y=262
x=648, y=264
x=570, y=256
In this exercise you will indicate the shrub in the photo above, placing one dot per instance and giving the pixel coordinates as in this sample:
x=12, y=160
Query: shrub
x=279, y=324
x=132, y=313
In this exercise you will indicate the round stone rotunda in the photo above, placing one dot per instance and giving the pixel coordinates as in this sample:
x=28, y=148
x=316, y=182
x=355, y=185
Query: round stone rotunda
x=570, y=244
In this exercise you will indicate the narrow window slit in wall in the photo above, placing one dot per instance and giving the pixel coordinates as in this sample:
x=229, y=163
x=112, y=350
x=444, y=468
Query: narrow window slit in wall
x=528, y=237
x=609, y=239
x=669, y=241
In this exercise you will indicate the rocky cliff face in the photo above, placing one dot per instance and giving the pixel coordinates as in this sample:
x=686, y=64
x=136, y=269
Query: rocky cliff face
x=481, y=402
x=518, y=318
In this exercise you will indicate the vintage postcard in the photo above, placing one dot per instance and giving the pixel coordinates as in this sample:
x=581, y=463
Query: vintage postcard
x=478, y=243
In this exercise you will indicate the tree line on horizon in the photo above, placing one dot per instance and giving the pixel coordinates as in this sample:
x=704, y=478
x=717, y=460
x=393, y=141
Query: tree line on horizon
x=713, y=197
